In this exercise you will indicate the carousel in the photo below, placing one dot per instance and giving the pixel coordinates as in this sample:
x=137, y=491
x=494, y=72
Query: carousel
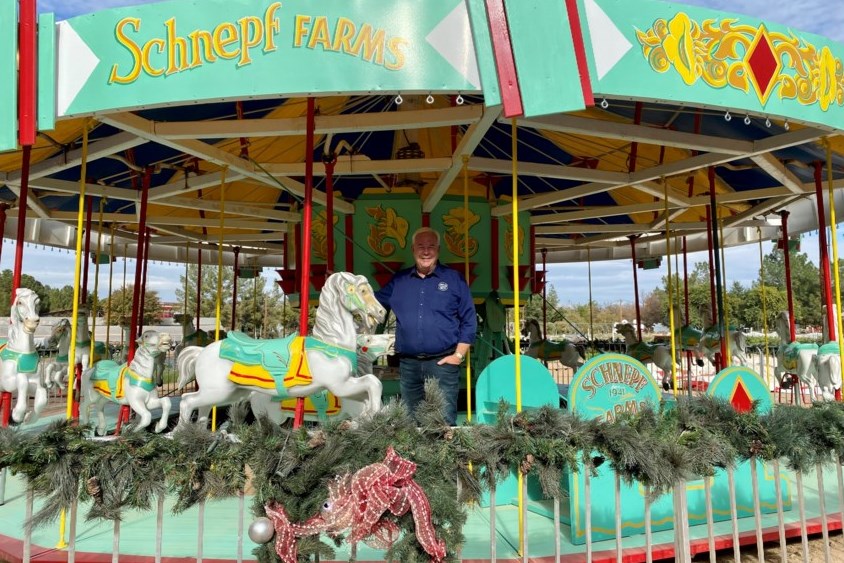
x=313, y=139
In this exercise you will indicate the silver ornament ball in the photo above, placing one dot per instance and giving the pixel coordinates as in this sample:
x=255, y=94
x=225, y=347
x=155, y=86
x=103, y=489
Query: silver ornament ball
x=261, y=530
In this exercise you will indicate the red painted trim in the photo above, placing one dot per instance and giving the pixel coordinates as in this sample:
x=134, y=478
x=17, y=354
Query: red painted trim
x=426, y=219
x=141, y=305
x=16, y=277
x=27, y=73
x=505, y=62
x=496, y=275
x=350, y=249
x=532, y=250
x=826, y=284
x=580, y=52
x=329, y=212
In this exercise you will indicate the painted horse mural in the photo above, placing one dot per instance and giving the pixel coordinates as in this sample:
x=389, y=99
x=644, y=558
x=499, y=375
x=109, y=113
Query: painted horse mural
x=795, y=358
x=320, y=406
x=658, y=354
x=232, y=369
x=544, y=349
x=127, y=384
x=20, y=368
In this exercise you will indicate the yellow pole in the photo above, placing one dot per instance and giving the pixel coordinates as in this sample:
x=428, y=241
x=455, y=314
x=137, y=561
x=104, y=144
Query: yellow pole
x=219, y=276
x=670, y=294
x=764, y=305
x=96, y=286
x=110, y=284
x=834, y=238
x=71, y=353
x=466, y=273
x=728, y=359
x=516, y=319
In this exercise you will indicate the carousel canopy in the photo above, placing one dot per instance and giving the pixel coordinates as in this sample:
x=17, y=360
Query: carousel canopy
x=611, y=120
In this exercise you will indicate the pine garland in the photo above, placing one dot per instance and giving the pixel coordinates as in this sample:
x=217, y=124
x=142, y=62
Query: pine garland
x=689, y=438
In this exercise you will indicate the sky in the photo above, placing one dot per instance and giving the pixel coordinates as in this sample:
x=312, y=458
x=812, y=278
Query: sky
x=611, y=280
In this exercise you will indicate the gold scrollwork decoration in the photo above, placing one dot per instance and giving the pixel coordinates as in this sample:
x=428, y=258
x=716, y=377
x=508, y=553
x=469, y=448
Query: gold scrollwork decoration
x=388, y=225
x=455, y=222
x=745, y=57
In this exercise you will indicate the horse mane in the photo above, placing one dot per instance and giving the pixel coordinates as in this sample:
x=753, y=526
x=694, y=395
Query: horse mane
x=333, y=322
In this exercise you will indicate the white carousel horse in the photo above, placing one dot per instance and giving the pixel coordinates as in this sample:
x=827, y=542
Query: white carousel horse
x=191, y=336
x=20, y=370
x=707, y=342
x=543, y=349
x=127, y=384
x=56, y=371
x=658, y=354
x=795, y=358
x=160, y=359
x=83, y=342
x=232, y=369
x=828, y=361
x=370, y=347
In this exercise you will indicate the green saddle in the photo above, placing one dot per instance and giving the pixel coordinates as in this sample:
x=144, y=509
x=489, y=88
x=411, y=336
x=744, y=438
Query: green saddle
x=27, y=363
x=828, y=348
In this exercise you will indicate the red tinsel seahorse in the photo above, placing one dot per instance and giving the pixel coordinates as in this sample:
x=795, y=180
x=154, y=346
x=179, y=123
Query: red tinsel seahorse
x=358, y=502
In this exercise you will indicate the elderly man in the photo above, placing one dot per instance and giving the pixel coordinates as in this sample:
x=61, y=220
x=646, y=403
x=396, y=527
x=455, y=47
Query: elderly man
x=436, y=322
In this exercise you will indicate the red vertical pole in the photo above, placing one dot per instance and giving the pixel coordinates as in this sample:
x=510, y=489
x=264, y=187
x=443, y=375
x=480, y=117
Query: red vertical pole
x=496, y=275
x=307, y=211
x=329, y=211
x=139, y=258
x=787, y=263
x=198, y=283
x=83, y=295
x=636, y=287
x=826, y=283
x=3, y=208
x=142, y=304
x=544, y=291
x=234, y=287
x=16, y=277
x=426, y=219
x=716, y=244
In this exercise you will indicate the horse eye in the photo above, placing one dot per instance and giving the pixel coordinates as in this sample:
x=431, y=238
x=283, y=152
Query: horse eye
x=326, y=505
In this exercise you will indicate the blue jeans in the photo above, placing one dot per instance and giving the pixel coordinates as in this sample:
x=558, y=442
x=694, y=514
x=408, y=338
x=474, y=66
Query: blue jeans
x=413, y=374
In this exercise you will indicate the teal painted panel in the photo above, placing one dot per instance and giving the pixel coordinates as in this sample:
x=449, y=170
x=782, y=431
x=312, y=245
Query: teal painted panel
x=9, y=74
x=46, y=72
x=655, y=50
x=545, y=58
x=185, y=50
x=483, y=51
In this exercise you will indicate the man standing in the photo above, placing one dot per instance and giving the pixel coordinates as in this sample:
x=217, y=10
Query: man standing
x=435, y=323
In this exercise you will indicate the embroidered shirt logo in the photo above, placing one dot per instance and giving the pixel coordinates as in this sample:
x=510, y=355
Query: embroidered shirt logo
x=442, y=286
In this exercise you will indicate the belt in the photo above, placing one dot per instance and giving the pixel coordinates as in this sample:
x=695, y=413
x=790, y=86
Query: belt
x=435, y=356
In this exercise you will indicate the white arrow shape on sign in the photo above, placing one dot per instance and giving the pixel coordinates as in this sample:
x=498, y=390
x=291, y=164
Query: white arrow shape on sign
x=609, y=44
x=76, y=63
x=452, y=39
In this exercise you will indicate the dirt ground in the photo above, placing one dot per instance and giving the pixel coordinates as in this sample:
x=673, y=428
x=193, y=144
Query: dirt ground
x=794, y=547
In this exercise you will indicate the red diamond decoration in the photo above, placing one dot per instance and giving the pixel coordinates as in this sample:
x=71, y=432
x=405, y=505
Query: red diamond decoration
x=741, y=400
x=763, y=64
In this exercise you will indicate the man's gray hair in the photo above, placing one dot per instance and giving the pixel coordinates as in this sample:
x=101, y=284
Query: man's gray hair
x=422, y=231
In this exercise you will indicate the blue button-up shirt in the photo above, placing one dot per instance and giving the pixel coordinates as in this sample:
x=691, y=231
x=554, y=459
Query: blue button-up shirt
x=433, y=314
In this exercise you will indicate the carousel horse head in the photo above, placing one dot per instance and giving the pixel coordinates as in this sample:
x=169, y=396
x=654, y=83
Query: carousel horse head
x=153, y=342
x=782, y=325
x=345, y=290
x=24, y=312
x=60, y=329
x=627, y=331
x=532, y=330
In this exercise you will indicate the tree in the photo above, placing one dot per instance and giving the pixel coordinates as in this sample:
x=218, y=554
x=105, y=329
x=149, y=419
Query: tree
x=61, y=299
x=121, y=307
x=264, y=312
x=805, y=283
x=208, y=299
x=654, y=307
x=27, y=281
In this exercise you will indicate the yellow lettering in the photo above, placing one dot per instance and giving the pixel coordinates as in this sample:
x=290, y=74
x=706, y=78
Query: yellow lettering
x=300, y=29
x=343, y=35
x=319, y=34
x=133, y=49
x=225, y=34
x=174, y=44
x=272, y=26
x=251, y=35
x=373, y=45
x=145, y=52
x=205, y=50
x=394, y=46
x=587, y=386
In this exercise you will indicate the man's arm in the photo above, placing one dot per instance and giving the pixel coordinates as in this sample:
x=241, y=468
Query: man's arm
x=468, y=326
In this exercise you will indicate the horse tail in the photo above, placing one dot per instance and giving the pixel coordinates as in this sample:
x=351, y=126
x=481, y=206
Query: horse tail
x=186, y=365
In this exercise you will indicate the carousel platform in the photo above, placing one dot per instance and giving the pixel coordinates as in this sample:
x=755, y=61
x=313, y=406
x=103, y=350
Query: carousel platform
x=219, y=541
